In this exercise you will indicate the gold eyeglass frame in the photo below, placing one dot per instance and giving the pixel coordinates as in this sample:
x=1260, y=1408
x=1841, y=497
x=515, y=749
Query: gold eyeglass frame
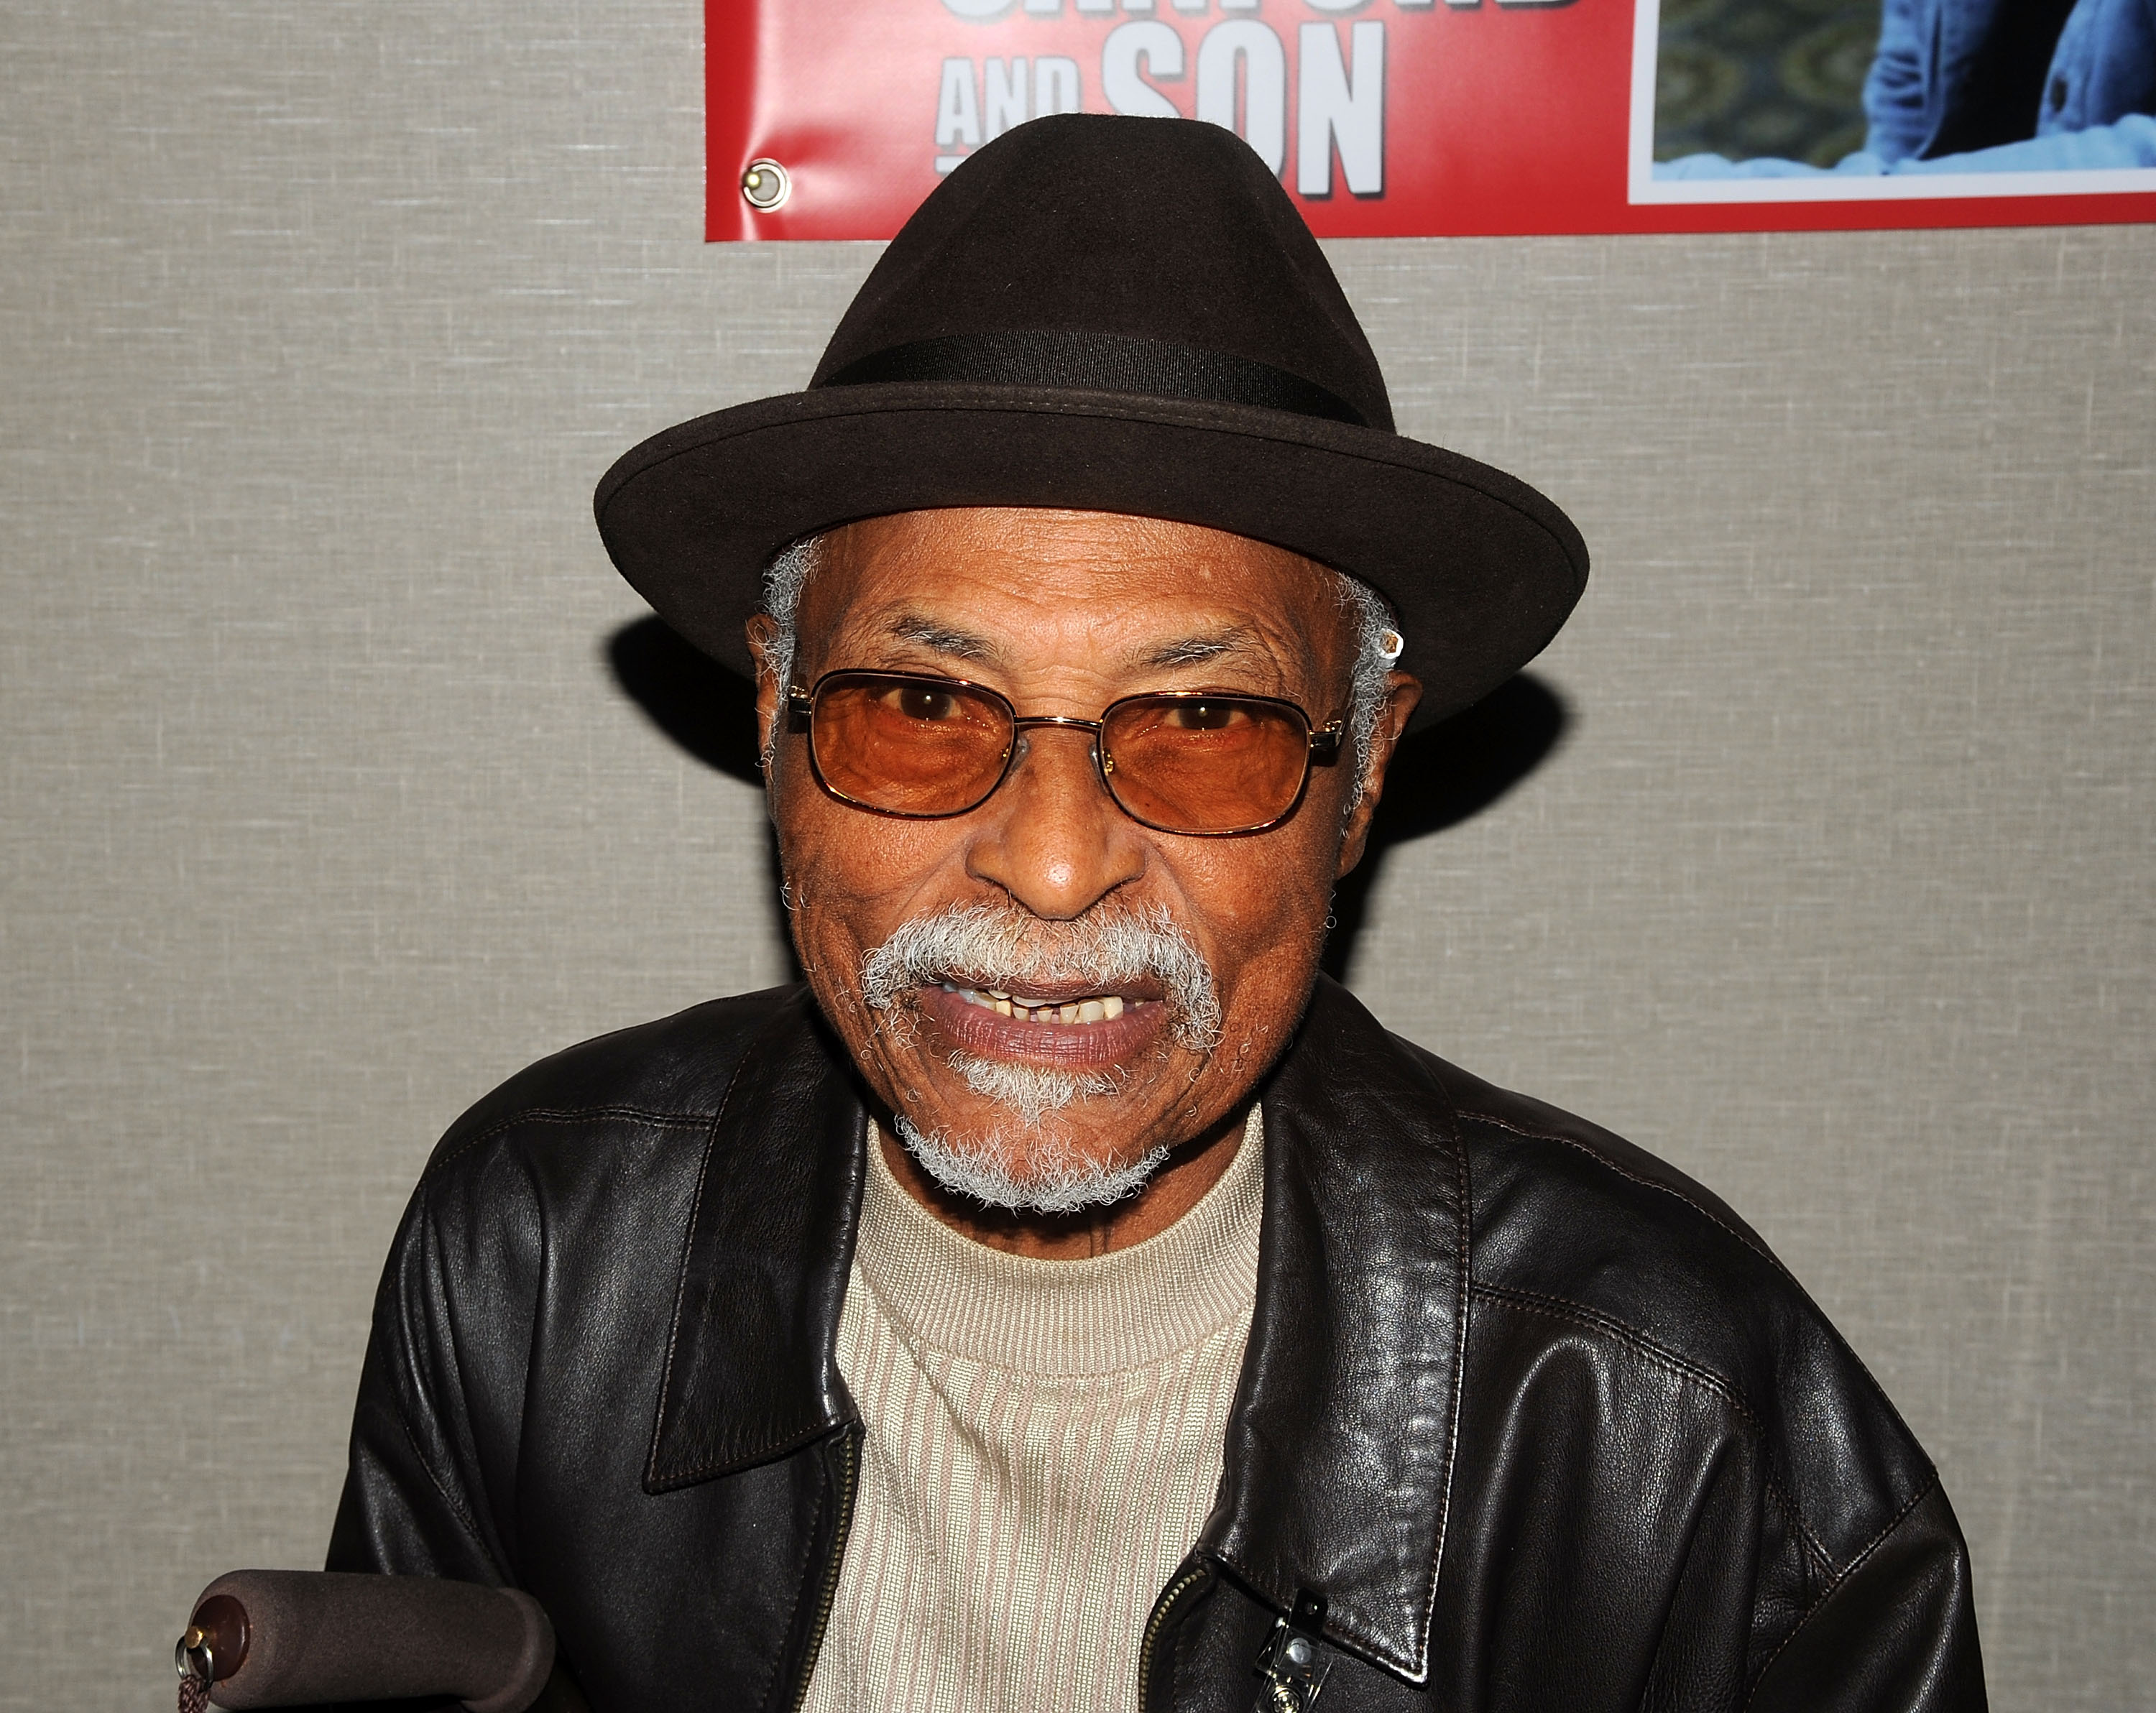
x=1322, y=743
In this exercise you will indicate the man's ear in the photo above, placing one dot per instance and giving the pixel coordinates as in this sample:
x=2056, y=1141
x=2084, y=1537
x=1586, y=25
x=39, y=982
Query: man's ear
x=1402, y=693
x=762, y=632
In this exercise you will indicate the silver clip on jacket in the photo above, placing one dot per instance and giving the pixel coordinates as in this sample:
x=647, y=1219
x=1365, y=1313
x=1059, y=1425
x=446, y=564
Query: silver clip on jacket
x=1291, y=1669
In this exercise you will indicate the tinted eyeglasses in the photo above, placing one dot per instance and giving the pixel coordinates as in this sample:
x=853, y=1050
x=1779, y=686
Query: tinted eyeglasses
x=1190, y=761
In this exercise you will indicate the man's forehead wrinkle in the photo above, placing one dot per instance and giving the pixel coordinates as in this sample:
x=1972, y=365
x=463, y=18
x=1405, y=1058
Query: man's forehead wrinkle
x=1050, y=603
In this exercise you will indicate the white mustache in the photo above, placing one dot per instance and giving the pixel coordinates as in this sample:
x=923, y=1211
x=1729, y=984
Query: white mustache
x=1010, y=949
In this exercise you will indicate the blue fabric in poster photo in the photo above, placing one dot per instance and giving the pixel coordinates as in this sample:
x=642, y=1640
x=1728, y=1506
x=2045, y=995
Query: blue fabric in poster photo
x=1963, y=86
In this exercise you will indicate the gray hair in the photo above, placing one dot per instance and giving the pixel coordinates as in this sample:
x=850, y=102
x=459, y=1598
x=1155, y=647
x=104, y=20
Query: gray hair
x=1376, y=647
x=783, y=580
x=1057, y=1177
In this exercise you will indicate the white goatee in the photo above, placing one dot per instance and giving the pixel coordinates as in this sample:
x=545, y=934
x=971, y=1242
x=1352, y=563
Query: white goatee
x=1038, y=1169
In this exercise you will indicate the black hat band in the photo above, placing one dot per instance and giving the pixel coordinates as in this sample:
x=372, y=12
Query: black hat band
x=1097, y=362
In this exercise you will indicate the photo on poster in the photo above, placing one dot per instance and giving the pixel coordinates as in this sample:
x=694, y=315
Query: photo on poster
x=1839, y=100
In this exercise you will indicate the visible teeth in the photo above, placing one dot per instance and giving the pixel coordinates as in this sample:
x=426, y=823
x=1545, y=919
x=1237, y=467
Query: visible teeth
x=1024, y=1010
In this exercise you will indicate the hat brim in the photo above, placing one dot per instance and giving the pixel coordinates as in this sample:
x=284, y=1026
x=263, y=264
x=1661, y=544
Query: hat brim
x=1480, y=567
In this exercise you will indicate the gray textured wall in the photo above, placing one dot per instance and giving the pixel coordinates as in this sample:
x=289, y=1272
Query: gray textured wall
x=321, y=810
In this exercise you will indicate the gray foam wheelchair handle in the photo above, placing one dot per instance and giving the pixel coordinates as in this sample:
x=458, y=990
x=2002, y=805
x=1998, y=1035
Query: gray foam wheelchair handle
x=294, y=1637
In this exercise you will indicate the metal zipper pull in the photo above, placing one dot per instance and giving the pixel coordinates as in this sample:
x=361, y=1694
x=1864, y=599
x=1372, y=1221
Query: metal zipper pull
x=1291, y=1668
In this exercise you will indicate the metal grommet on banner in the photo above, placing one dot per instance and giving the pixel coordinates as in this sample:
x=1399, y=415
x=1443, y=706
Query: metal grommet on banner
x=765, y=185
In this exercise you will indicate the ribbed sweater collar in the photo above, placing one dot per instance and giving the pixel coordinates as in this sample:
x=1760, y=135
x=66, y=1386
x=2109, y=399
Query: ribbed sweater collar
x=1106, y=1314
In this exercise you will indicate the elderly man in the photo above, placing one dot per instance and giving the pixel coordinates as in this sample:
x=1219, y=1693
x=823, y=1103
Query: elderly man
x=1069, y=1300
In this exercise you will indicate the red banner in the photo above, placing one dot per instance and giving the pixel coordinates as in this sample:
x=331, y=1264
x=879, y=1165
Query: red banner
x=832, y=118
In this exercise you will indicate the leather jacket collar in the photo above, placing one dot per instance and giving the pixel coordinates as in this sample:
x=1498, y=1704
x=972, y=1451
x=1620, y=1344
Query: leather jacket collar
x=1338, y=1454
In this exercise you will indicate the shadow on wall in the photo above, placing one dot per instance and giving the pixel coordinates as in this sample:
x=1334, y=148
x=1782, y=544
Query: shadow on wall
x=1439, y=778
x=708, y=710
x=1442, y=777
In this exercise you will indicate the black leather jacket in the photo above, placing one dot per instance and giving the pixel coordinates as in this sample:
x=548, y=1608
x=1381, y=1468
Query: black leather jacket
x=1541, y=1420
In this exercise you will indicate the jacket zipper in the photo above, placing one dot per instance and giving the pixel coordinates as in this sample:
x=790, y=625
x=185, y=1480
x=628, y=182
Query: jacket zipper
x=1174, y=1591
x=849, y=1460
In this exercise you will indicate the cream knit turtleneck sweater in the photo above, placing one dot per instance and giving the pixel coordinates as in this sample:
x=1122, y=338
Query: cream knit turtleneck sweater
x=1042, y=1445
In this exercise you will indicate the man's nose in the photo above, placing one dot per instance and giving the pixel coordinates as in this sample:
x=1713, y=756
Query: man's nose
x=1053, y=838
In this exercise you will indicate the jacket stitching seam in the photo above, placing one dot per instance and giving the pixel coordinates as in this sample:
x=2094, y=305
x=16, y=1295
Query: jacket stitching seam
x=777, y=1448
x=1560, y=1308
x=1603, y=1159
x=1855, y=1564
x=1873, y=1545
x=1557, y=1308
x=1813, y=1548
x=566, y=1115
x=457, y=1507
x=688, y=1257
x=1463, y=1275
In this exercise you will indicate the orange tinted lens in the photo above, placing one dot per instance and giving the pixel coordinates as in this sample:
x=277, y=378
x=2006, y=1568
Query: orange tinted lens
x=909, y=746
x=1205, y=764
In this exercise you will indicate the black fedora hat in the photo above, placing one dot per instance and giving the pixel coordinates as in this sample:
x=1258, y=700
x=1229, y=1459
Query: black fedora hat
x=1111, y=314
